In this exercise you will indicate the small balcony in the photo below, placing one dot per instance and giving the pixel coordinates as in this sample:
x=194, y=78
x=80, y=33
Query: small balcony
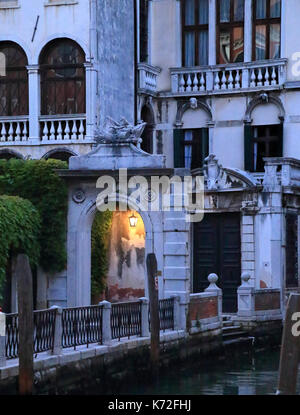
x=231, y=78
x=53, y=129
x=148, y=78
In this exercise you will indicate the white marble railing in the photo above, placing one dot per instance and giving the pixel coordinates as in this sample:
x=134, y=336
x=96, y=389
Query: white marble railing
x=148, y=77
x=13, y=129
x=220, y=78
x=62, y=127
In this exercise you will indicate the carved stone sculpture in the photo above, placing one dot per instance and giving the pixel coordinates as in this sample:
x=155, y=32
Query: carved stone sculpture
x=119, y=132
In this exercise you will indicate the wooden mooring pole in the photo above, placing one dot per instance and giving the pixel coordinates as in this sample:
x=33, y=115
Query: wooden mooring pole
x=154, y=313
x=290, y=348
x=25, y=310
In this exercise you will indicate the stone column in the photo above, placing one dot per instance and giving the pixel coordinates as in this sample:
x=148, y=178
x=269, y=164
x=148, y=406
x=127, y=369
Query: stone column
x=2, y=339
x=106, y=317
x=213, y=288
x=57, y=349
x=145, y=317
x=176, y=311
x=34, y=101
x=91, y=88
x=245, y=297
x=248, y=31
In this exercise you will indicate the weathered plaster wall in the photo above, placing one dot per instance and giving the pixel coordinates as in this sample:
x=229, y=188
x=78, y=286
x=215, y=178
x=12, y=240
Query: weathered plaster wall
x=126, y=273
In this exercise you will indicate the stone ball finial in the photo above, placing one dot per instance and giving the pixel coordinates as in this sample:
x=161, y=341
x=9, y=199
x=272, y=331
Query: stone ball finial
x=245, y=277
x=212, y=278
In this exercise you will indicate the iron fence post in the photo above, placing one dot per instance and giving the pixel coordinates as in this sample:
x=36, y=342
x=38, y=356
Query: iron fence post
x=144, y=317
x=176, y=312
x=2, y=339
x=106, y=322
x=57, y=343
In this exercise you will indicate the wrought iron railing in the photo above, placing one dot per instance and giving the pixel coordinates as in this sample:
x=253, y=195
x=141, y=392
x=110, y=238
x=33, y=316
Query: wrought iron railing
x=44, y=328
x=126, y=320
x=81, y=325
x=166, y=314
x=12, y=336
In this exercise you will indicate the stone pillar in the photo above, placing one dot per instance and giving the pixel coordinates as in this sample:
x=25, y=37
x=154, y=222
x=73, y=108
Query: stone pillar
x=176, y=311
x=145, y=317
x=91, y=88
x=213, y=288
x=212, y=33
x=248, y=31
x=34, y=101
x=106, y=317
x=2, y=339
x=245, y=297
x=57, y=349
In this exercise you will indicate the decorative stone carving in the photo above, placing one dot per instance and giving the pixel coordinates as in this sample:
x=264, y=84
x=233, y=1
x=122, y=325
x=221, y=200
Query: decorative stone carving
x=78, y=196
x=217, y=177
x=119, y=132
x=193, y=103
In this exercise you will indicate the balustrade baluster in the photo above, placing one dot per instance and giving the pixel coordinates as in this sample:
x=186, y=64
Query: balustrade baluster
x=259, y=77
x=189, y=83
x=3, y=132
x=274, y=81
x=237, y=80
x=230, y=80
x=59, y=131
x=216, y=81
x=223, y=80
x=18, y=132
x=253, y=78
x=67, y=131
x=74, y=130
x=267, y=77
x=45, y=131
x=52, y=131
x=181, y=83
x=81, y=130
x=24, y=132
x=202, y=82
x=195, y=83
x=10, y=132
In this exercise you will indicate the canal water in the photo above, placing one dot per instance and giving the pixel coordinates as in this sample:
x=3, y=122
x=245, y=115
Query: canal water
x=248, y=374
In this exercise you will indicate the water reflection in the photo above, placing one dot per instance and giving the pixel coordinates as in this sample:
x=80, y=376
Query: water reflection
x=238, y=375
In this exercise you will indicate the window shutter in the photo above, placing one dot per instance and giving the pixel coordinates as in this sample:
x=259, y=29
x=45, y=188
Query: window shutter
x=178, y=148
x=280, y=143
x=204, y=144
x=248, y=147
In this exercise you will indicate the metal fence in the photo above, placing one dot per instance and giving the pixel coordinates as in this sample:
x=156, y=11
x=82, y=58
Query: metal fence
x=12, y=336
x=126, y=320
x=81, y=325
x=44, y=327
x=166, y=314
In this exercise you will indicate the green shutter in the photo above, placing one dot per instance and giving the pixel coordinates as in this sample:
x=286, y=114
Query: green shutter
x=248, y=147
x=204, y=144
x=178, y=148
x=280, y=144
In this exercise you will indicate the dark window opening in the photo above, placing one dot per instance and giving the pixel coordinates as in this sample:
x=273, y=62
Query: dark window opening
x=143, y=30
x=266, y=29
x=195, y=32
x=291, y=250
x=13, y=80
x=62, y=78
x=262, y=141
x=147, y=136
x=230, y=31
x=60, y=155
x=190, y=148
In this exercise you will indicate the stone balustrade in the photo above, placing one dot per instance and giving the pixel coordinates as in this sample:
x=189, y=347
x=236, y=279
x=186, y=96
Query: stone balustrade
x=228, y=78
x=258, y=304
x=284, y=171
x=13, y=129
x=205, y=309
x=148, y=77
x=63, y=128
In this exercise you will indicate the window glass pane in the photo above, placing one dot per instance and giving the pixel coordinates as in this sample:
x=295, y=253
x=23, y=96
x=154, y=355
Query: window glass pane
x=261, y=9
x=274, y=41
x=224, y=11
x=238, y=10
x=238, y=45
x=203, y=11
x=260, y=42
x=188, y=137
x=203, y=47
x=189, y=49
x=275, y=8
x=224, y=47
x=189, y=12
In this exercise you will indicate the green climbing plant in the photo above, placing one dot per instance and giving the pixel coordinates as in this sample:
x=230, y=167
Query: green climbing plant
x=20, y=227
x=100, y=245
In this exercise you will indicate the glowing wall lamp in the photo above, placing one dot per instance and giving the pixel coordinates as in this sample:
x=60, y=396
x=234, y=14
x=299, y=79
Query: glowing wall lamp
x=133, y=221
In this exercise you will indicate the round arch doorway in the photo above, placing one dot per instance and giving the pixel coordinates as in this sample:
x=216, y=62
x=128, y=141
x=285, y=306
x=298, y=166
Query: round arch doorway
x=117, y=256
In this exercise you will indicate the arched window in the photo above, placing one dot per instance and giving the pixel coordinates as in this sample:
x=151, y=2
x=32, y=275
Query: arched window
x=59, y=154
x=62, y=78
x=147, y=136
x=13, y=80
